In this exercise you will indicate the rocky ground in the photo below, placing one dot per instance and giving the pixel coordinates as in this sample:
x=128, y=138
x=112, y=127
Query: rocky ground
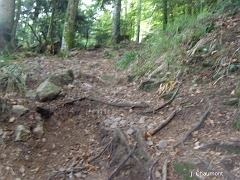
x=98, y=125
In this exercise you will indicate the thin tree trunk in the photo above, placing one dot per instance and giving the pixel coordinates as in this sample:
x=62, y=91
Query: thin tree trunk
x=50, y=27
x=116, y=22
x=139, y=7
x=165, y=14
x=15, y=23
x=68, y=29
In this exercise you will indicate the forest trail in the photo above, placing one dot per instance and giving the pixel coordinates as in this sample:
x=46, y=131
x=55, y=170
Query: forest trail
x=79, y=138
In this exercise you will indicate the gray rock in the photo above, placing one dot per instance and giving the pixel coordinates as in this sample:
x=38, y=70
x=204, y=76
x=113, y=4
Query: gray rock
x=47, y=91
x=149, y=142
x=117, y=119
x=67, y=76
x=162, y=144
x=31, y=94
x=142, y=120
x=38, y=131
x=123, y=122
x=64, y=78
x=130, y=131
x=22, y=133
x=19, y=110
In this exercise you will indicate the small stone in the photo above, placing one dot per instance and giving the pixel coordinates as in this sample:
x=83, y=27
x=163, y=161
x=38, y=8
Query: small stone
x=19, y=110
x=108, y=121
x=22, y=134
x=86, y=86
x=117, y=119
x=162, y=144
x=11, y=120
x=149, y=127
x=123, y=122
x=22, y=169
x=38, y=131
x=130, y=131
x=78, y=174
x=150, y=143
x=142, y=120
x=113, y=126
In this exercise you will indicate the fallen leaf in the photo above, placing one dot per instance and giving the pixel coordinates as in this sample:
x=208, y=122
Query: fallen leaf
x=11, y=120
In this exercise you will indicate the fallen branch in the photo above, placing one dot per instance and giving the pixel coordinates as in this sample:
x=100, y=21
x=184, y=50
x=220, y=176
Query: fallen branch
x=194, y=128
x=151, y=133
x=123, y=162
x=141, y=105
x=163, y=105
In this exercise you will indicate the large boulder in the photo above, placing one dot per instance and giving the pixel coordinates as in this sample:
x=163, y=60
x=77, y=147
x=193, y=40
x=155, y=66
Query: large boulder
x=64, y=78
x=47, y=91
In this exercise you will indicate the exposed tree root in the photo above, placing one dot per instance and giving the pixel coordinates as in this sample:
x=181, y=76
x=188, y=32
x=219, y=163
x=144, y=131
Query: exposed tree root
x=151, y=170
x=141, y=105
x=123, y=162
x=168, y=120
x=164, y=170
x=193, y=129
x=165, y=104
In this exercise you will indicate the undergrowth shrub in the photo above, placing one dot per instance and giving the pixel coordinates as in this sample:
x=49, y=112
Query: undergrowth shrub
x=12, y=76
x=127, y=59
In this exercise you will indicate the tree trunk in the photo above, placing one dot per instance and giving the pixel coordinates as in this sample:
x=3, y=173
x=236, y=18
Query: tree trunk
x=50, y=27
x=165, y=14
x=68, y=29
x=7, y=10
x=14, y=28
x=116, y=22
x=139, y=7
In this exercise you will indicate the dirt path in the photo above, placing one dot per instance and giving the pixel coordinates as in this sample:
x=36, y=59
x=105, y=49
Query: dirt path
x=79, y=131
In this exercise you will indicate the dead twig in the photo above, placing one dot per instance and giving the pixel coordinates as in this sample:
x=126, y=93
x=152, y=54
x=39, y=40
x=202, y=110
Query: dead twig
x=140, y=105
x=164, y=170
x=121, y=136
x=101, y=153
x=151, y=169
x=194, y=128
x=151, y=133
x=122, y=163
x=167, y=103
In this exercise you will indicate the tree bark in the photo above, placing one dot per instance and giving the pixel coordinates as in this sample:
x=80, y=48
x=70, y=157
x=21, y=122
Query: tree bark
x=68, y=29
x=165, y=14
x=139, y=7
x=116, y=22
x=50, y=27
x=7, y=10
x=14, y=28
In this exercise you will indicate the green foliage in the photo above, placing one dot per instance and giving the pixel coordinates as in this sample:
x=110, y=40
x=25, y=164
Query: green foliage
x=62, y=54
x=12, y=76
x=127, y=59
x=184, y=169
x=237, y=124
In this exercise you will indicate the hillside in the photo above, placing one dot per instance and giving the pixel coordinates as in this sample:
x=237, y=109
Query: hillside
x=114, y=118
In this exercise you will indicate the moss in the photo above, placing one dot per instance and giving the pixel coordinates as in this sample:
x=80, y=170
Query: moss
x=184, y=169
